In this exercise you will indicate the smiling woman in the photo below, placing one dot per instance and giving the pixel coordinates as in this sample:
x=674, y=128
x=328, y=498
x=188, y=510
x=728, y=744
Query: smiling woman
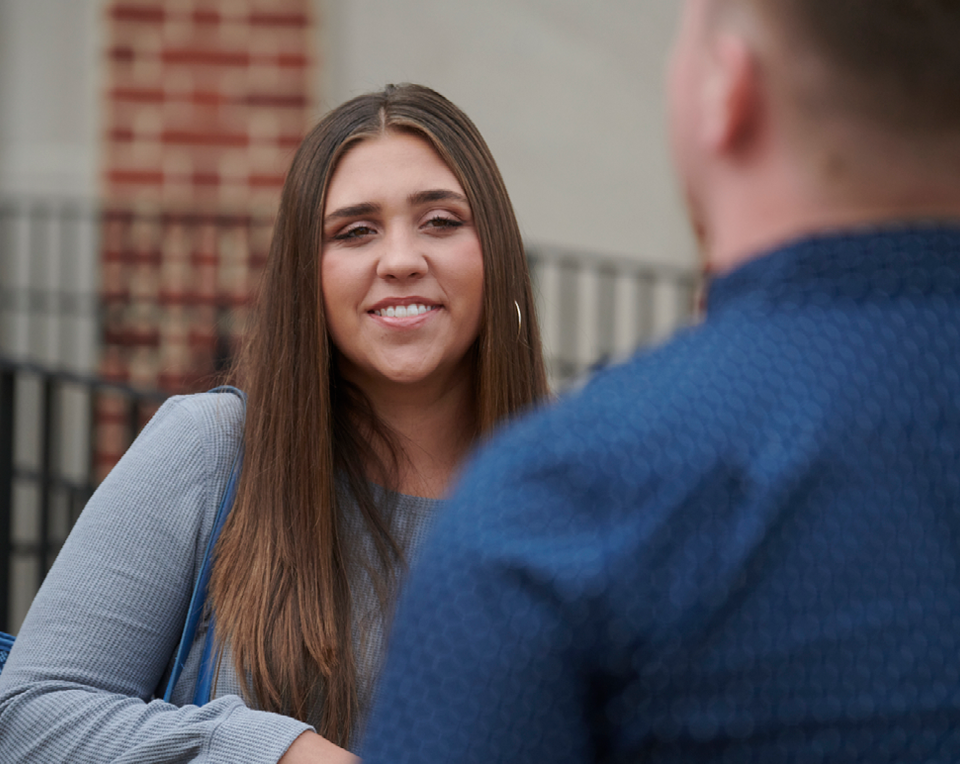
x=402, y=273
x=358, y=417
x=395, y=326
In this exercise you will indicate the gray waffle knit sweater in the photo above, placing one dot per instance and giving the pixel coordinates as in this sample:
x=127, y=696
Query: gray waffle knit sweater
x=100, y=636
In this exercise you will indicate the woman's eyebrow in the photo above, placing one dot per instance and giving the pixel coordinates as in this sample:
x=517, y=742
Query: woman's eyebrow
x=420, y=197
x=353, y=211
x=436, y=195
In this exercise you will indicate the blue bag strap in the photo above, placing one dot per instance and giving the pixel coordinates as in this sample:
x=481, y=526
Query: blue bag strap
x=199, y=596
x=204, y=687
x=6, y=645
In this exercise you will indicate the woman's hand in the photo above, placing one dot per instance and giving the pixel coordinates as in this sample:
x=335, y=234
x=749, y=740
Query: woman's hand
x=311, y=748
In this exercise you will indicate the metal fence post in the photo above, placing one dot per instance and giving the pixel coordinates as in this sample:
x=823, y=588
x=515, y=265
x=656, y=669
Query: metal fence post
x=7, y=384
x=48, y=475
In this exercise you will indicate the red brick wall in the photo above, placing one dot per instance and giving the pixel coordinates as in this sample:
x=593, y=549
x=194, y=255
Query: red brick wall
x=205, y=103
x=206, y=100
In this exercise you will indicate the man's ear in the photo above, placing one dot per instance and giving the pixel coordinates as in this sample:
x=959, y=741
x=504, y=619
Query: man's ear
x=731, y=97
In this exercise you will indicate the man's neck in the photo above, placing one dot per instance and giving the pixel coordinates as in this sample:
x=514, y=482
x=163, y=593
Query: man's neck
x=759, y=220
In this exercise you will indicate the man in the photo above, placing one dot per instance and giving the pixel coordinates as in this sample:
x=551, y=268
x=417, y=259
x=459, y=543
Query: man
x=744, y=545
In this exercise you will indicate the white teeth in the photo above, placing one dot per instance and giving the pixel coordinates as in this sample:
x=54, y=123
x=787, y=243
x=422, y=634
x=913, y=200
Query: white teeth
x=401, y=311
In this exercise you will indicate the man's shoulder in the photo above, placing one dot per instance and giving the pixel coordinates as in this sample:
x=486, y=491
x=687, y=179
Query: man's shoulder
x=665, y=420
x=692, y=386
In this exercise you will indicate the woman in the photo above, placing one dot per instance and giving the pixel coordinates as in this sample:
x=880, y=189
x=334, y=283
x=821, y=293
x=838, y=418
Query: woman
x=395, y=327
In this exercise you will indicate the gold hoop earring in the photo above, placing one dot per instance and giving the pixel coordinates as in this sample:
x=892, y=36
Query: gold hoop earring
x=519, y=319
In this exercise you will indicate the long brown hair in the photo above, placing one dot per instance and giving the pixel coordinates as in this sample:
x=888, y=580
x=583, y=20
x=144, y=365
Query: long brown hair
x=279, y=587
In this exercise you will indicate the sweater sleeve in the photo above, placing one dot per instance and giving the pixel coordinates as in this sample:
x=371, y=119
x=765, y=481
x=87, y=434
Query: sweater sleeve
x=79, y=683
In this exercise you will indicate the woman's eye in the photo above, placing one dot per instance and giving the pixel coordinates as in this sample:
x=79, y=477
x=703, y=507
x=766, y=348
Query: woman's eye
x=357, y=232
x=443, y=222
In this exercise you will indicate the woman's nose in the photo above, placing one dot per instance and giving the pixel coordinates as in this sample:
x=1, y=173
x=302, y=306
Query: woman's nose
x=401, y=258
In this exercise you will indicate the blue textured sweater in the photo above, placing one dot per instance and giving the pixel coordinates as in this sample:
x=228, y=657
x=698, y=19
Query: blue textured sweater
x=743, y=546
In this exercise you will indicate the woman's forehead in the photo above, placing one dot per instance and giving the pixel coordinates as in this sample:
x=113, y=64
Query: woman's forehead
x=393, y=165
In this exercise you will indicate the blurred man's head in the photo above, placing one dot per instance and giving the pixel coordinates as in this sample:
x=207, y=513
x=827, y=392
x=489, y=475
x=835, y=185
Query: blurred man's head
x=793, y=116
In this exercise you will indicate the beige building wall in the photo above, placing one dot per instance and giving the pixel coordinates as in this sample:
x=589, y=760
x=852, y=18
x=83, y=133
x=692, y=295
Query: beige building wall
x=568, y=93
x=50, y=52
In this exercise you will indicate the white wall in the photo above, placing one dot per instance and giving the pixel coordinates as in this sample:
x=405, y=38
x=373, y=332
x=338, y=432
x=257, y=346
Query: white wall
x=50, y=68
x=50, y=65
x=568, y=93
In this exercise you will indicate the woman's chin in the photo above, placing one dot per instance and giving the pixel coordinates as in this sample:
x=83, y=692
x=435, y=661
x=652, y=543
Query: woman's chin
x=412, y=377
x=408, y=376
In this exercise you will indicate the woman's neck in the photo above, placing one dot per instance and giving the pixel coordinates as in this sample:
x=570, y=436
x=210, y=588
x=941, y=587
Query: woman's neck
x=434, y=427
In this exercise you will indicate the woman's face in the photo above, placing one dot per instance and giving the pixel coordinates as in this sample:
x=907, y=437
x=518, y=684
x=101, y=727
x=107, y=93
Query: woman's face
x=401, y=265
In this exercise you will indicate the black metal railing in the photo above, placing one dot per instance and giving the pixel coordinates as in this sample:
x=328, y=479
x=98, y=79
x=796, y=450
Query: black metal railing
x=597, y=309
x=151, y=295
x=43, y=485
x=160, y=298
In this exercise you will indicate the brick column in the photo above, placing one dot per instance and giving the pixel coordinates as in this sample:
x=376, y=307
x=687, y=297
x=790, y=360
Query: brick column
x=206, y=101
